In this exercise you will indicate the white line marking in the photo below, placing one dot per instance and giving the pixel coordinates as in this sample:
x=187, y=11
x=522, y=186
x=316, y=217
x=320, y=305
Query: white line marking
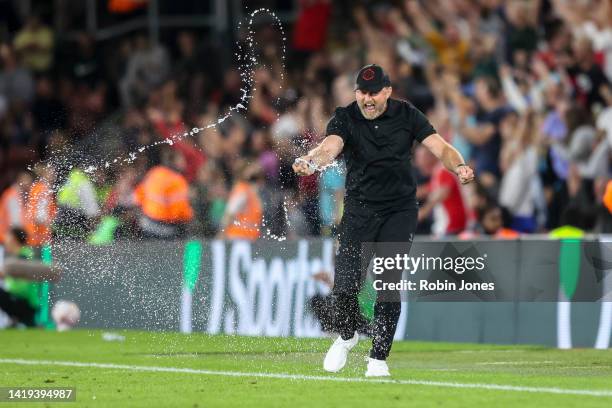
x=515, y=362
x=587, y=367
x=442, y=369
x=489, y=351
x=497, y=387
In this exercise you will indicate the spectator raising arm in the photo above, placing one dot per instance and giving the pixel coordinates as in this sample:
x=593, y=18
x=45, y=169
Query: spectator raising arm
x=419, y=18
x=477, y=135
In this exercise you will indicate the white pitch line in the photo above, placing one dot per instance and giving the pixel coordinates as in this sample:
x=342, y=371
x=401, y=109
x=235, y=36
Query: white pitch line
x=489, y=351
x=515, y=362
x=497, y=387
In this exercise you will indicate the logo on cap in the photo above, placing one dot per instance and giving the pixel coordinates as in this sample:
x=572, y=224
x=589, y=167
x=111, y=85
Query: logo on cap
x=368, y=74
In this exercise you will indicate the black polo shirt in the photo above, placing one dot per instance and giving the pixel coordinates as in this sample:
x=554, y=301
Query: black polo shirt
x=378, y=153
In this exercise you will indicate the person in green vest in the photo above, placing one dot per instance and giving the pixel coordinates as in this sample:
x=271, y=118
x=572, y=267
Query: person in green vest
x=78, y=208
x=19, y=298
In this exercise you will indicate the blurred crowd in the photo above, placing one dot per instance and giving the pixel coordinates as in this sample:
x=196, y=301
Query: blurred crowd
x=522, y=88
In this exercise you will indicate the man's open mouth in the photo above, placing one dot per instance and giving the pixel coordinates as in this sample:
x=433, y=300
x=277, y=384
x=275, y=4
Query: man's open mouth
x=369, y=107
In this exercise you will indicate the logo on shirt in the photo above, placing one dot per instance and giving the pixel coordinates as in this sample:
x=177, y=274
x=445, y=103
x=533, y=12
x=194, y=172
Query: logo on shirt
x=368, y=74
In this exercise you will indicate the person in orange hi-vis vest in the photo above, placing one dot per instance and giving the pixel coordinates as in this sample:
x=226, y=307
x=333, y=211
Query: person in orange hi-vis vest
x=163, y=197
x=12, y=204
x=607, y=198
x=40, y=207
x=244, y=212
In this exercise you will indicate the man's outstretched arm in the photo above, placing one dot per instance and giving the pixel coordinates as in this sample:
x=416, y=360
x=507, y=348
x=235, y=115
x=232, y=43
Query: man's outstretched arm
x=321, y=156
x=450, y=157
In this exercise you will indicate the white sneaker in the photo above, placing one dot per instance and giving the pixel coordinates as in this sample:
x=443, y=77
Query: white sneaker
x=335, y=359
x=377, y=368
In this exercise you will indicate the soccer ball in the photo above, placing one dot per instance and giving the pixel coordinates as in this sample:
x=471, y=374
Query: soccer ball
x=65, y=314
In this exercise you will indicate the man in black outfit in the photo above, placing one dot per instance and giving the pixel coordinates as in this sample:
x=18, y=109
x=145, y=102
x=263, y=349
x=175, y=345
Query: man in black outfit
x=375, y=133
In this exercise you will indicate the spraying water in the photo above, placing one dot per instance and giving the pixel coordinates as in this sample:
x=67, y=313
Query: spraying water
x=112, y=266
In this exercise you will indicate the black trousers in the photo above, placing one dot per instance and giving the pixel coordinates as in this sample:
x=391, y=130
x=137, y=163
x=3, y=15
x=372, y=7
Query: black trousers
x=17, y=308
x=361, y=225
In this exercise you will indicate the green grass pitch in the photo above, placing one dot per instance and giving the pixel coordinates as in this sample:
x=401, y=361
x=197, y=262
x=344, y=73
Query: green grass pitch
x=177, y=370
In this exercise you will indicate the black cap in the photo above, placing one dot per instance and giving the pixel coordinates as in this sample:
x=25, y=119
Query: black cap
x=371, y=78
